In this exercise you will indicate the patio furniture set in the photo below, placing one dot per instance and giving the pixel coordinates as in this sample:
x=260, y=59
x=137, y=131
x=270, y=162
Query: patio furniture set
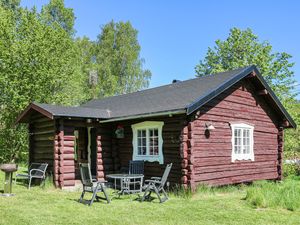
x=131, y=182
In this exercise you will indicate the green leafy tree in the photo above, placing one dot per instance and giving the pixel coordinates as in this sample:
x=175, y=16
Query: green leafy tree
x=37, y=63
x=119, y=66
x=56, y=13
x=10, y=4
x=243, y=48
x=87, y=57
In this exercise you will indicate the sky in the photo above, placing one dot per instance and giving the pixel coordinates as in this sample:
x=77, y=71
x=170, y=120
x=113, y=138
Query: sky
x=174, y=35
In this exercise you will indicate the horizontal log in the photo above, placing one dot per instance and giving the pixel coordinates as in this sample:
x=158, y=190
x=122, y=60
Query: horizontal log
x=43, y=138
x=68, y=143
x=69, y=138
x=67, y=176
x=100, y=174
x=66, y=169
x=68, y=150
x=42, y=150
x=184, y=163
x=233, y=173
x=67, y=183
x=227, y=160
x=184, y=179
x=43, y=125
x=66, y=156
x=235, y=166
x=241, y=179
x=66, y=163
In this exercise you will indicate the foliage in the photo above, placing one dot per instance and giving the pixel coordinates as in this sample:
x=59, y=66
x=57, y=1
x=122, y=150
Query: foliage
x=276, y=195
x=291, y=170
x=55, y=13
x=243, y=48
x=117, y=55
x=10, y=4
x=292, y=136
x=37, y=63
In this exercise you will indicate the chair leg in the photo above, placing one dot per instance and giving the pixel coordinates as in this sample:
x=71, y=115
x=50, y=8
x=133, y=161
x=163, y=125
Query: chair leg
x=105, y=193
x=29, y=184
x=158, y=195
x=81, y=196
x=145, y=193
x=165, y=195
x=94, y=194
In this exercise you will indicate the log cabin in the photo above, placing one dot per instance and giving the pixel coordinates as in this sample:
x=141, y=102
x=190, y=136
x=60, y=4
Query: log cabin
x=219, y=129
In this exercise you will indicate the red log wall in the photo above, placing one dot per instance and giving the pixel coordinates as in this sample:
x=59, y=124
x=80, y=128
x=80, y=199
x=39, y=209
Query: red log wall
x=211, y=156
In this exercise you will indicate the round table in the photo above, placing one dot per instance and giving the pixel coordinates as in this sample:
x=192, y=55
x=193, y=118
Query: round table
x=129, y=183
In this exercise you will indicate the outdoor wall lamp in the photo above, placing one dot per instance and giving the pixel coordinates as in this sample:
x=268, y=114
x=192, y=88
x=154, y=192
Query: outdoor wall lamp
x=209, y=127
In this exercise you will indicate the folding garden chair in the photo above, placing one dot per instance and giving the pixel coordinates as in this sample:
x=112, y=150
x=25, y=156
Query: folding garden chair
x=156, y=185
x=91, y=186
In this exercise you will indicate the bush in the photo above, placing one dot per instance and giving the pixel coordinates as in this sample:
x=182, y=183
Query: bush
x=270, y=194
x=291, y=170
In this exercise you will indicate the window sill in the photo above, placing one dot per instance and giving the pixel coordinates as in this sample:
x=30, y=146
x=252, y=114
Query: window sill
x=149, y=158
x=235, y=160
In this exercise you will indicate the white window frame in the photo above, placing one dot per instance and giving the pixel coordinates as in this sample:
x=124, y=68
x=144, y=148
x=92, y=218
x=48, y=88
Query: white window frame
x=147, y=125
x=242, y=156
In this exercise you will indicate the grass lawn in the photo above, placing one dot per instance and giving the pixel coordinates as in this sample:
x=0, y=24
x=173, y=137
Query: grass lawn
x=207, y=206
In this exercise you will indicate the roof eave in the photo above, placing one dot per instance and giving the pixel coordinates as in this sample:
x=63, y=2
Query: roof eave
x=35, y=107
x=146, y=115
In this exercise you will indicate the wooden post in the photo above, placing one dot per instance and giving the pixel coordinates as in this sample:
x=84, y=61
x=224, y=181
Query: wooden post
x=280, y=138
x=186, y=156
x=100, y=172
x=61, y=152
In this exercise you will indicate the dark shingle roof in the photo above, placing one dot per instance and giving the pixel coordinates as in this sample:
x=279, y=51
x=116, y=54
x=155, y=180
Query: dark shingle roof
x=175, y=96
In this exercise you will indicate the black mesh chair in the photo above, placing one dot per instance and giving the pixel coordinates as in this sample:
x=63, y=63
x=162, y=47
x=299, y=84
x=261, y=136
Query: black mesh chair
x=89, y=185
x=36, y=170
x=136, y=167
x=156, y=185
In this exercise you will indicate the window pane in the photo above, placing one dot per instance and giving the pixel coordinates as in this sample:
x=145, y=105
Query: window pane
x=237, y=149
x=141, y=142
x=153, y=141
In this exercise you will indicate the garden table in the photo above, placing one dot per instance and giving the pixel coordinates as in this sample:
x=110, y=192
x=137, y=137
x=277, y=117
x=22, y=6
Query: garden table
x=129, y=183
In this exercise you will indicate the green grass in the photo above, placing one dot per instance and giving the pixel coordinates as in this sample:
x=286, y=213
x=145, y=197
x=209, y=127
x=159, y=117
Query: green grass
x=226, y=205
x=275, y=195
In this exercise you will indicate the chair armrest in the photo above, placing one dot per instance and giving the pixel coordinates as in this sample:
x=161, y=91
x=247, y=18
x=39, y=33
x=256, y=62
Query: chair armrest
x=153, y=181
x=155, y=178
x=38, y=170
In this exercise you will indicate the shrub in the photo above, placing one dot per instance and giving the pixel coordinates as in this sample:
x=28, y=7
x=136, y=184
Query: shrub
x=291, y=170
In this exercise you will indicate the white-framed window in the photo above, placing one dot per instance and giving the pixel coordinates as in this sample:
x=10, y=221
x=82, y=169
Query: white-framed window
x=147, y=141
x=242, y=142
